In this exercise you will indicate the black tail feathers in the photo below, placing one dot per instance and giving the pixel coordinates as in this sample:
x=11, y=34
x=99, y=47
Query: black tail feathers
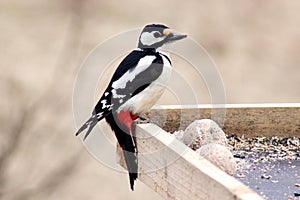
x=132, y=167
x=125, y=140
x=132, y=178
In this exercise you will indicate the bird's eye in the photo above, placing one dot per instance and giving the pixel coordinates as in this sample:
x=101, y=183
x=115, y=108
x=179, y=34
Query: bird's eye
x=156, y=34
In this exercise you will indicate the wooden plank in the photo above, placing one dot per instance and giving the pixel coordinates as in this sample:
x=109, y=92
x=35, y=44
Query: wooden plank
x=242, y=119
x=176, y=172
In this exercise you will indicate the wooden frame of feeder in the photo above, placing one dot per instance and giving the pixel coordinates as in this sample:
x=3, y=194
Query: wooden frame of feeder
x=177, y=172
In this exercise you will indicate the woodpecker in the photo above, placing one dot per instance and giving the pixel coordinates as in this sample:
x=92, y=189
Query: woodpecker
x=137, y=83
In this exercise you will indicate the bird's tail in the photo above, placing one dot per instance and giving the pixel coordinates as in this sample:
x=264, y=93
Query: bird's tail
x=127, y=143
x=131, y=163
x=90, y=123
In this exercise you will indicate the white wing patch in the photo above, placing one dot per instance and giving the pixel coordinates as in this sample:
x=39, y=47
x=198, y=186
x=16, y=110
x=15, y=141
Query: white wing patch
x=99, y=115
x=142, y=65
x=104, y=102
x=117, y=96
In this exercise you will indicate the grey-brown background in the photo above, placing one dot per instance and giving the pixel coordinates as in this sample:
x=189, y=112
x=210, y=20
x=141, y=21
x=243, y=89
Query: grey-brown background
x=255, y=44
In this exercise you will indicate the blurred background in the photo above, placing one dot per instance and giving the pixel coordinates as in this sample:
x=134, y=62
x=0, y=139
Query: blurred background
x=255, y=45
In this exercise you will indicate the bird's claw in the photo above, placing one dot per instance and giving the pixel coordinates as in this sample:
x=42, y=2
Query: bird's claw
x=142, y=120
x=145, y=120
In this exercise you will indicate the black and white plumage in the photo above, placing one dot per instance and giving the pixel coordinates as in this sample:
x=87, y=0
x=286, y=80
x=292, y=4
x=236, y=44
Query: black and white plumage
x=135, y=86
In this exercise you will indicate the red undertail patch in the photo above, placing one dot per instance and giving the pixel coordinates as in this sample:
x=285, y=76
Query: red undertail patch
x=126, y=118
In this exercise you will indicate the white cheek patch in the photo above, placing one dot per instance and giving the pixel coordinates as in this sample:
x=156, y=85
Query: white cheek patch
x=142, y=65
x=148, y=38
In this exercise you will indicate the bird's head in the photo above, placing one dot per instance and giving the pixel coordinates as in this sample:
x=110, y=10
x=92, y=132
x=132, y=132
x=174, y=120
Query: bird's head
x=154, y=36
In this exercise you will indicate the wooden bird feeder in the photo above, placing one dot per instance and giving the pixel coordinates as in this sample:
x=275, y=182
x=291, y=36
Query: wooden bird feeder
x=175, y=171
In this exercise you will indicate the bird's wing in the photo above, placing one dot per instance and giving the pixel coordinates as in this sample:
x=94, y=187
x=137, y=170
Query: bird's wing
x=127, y=64
x=138, y=70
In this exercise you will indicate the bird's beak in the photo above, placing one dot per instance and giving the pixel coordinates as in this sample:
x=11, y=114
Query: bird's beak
x=172, y=36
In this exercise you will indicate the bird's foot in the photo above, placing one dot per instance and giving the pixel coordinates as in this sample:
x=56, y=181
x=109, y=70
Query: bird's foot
x=142, y=120
x=145, y=120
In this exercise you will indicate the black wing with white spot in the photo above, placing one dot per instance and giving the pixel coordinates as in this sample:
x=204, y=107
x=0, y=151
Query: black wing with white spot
x=135, y=73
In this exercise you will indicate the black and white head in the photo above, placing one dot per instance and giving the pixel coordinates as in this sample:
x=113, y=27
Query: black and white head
x=154, y=36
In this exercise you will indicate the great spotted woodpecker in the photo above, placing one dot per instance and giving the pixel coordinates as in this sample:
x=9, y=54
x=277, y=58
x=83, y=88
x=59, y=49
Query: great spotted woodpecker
x=136, y=85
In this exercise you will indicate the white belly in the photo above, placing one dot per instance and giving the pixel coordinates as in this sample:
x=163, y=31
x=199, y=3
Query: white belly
x=143, y=101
